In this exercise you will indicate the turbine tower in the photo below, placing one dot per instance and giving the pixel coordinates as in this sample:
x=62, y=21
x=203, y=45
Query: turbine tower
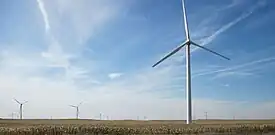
x=77, y=109
x=21, y=107
x=187, y=45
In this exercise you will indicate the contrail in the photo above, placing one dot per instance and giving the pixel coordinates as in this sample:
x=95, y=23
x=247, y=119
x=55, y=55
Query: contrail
x=224, y=28
x=236, y=67
x=229, y=25
x=44, y=14
x=55, y=49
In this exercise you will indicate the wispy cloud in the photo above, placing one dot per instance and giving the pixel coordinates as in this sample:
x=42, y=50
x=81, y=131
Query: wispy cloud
x=238, y=67
x=82, y=19
x=44, y=14
x=224, y=28
x=206, y=39
x=55, y=53
x=233, y=4
x=232, y=74
x=86, y=18
x=232, y=71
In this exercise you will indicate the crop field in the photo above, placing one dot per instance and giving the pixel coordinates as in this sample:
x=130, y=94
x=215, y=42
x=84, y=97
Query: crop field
x=127, y=127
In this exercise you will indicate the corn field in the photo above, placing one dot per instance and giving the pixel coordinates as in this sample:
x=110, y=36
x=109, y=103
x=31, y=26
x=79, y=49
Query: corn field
x=112, y=130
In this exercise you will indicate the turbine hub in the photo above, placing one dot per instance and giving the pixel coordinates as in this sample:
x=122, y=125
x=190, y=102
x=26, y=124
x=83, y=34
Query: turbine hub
x=188, y=42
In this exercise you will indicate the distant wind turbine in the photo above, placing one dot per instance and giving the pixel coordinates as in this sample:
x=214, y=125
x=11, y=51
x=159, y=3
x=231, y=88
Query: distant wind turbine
x=13, y=114
x=187, y=45
x=100, y=116
x=77, y=109
x=21, y=107
x=205, y=114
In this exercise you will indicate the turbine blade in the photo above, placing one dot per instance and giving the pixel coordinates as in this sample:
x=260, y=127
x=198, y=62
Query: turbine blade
x=73, y=106
x=210, y=50
x=17, y=101
x=170, y=54
x=79, y=103
x=25, y=102
x=185, y=21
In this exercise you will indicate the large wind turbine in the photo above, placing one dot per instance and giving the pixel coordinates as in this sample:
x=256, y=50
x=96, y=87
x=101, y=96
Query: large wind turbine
x=21, y=107
x=187, y=45
x=77, y=109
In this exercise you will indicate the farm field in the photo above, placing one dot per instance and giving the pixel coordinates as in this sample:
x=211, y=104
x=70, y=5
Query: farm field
x=130, y=123
x=72, y=126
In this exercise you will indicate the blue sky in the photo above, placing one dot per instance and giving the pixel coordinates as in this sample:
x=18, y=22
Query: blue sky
x=61, y=52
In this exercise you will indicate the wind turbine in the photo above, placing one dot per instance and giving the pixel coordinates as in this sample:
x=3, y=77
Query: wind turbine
x=77, y=109
x=100, y=116
x=13, y=114
x=21, y=107
x=187, y=45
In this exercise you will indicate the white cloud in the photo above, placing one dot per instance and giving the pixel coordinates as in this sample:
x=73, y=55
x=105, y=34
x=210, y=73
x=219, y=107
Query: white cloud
x=84, y=18
x=135, y=94
x=226, y=85
x=114, y=75
x=56, y=56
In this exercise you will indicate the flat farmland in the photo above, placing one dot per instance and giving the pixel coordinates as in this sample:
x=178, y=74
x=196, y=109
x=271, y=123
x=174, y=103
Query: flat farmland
x=73, y=126
x=28, y=122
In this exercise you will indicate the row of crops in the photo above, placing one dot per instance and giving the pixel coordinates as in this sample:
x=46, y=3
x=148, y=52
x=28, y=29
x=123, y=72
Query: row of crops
x=102, y=129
